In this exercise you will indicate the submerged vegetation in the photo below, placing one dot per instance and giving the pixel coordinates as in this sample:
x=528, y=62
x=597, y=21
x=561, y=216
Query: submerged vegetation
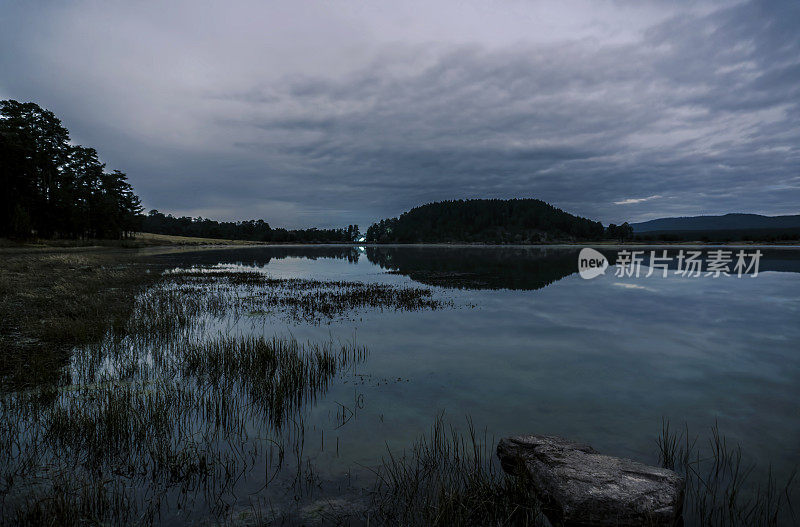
x=149, y=401
x=722, y=487
x=155, y=415
x=451, y=478
x=154, y=421
x=257, y=294
x=141, y=442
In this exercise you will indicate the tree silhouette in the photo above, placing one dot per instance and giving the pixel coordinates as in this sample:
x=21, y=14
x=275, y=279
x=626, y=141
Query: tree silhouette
x=53, y=188
x=485, y=220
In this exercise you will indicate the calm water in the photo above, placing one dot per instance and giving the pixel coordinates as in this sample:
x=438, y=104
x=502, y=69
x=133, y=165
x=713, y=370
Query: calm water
x=513, y=339
x=528, y=346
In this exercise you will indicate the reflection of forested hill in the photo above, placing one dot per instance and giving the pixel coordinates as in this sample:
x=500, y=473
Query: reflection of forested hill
x=260, y=256
x=782, y=260
x=528, y=268
x=478, y=268
x=464, y=267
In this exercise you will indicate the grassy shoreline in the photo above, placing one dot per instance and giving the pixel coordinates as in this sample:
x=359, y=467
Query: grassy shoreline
x=140, y=240
x=53, y=300
x=149, y=240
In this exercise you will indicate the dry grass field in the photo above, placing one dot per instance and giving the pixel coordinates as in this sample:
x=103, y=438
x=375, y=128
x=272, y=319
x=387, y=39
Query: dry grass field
x=52, y=299
x=146, y=238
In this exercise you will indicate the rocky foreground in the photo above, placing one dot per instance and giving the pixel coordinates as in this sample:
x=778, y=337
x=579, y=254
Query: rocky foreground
x=578, y=486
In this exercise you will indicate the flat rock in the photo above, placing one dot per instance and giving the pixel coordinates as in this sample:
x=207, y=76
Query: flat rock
x=580, y=487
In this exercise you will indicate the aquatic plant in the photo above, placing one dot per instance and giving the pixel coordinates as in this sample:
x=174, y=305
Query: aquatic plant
x=308, y=300
x=451, y=478
x=722, y=489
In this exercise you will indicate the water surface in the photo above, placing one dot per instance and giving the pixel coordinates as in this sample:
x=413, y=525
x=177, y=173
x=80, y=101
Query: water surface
x=528, y=346
x=509, y=338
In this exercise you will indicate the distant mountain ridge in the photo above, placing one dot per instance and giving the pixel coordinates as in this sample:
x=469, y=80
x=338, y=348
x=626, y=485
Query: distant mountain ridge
x=734, y=221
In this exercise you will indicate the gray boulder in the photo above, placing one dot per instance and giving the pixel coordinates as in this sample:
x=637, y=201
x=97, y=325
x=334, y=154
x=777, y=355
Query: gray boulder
x=580, y=487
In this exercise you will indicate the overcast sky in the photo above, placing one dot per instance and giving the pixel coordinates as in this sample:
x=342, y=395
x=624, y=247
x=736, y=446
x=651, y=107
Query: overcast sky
x=328, y=113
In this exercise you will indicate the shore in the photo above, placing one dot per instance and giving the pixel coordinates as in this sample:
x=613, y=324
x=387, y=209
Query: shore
x=143, y=240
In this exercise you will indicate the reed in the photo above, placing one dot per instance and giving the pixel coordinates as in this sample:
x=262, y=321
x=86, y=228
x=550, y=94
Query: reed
x=451, y=478
x=314, y=301
x=722, y=488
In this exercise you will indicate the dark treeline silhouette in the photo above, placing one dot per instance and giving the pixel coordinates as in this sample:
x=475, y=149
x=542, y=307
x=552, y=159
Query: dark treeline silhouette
x=255, y=230
x=721, y=235
x=733, y=227
x=485, y=220
x=54, y=189
x=619, y=232
x=51, y=188
x=735, y=221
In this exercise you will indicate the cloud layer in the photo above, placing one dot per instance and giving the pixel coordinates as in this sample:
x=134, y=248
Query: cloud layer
x=333, y=113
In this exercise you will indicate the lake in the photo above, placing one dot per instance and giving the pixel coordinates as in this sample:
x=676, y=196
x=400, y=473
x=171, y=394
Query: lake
x=510, y=338
x=528, y=346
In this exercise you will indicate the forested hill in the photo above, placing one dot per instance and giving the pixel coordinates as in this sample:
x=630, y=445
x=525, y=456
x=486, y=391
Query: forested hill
x=725, y=222
x=487, y=221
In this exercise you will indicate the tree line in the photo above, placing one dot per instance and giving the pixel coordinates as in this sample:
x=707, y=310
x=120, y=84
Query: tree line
x=254, y=230
x=619, y=232
x=486, y=221
x=52, y=188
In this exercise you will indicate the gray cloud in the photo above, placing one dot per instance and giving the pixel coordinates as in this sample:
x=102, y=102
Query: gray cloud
x=361, y=120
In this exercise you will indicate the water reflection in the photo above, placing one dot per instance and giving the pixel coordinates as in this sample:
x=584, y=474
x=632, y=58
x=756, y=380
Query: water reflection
x=526, y=268
x=478, y=267
x=258, y=256
x=542, y=351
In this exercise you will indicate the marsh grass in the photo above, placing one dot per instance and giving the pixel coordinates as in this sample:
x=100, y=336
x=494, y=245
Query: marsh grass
x=448, y=478
x=53, y=301
x=156, y=418
x=74, y=502
x=304, y=300
x=176, y=437
x=277, y=374
x=722, y=488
